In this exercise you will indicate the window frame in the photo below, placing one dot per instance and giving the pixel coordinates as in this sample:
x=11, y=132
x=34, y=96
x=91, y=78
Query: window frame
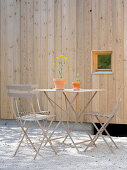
x=94, y=55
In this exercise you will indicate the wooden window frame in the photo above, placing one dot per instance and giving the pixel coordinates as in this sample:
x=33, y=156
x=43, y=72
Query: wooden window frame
x=94, y=55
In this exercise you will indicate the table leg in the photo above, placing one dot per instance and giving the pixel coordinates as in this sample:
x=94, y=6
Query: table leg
x=78, y=118
x=61, y=118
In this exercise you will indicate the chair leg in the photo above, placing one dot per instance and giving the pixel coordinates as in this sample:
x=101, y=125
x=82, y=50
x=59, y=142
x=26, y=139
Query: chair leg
x=52, y=133
x=45, y=135
x=98, y=133
x=20, y=124
x=68, y=134
x=23, y=138
x=43, y=139
x=107, y=133
x=90, y=118
x=23, y=123
x=26, y=135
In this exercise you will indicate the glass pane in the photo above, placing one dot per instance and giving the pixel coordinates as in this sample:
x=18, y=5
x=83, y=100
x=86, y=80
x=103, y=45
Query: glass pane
x=104, y=61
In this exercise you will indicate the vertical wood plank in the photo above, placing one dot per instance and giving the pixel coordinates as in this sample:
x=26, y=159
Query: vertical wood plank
x=16, y=36
x=30, y=58
x=7, y=58
x=50, y=49
x=4, y=109
x=23, y=59
x=87, y=51
x=65, y=43
x=72, y=42
x=110, y=79
x=24, y=69
x=16, y=39
x=58, y=45
x=119, y=56
x=103, y=46
x=72, y=51
x=95, y=41
x=119, y=59
x=125, y=61
x=36, y=57
x=36, y=41
x=80, y=55
x=10, y=46
x=111, y=85
x=0, y=57
x=10, y=49
x=44, y=51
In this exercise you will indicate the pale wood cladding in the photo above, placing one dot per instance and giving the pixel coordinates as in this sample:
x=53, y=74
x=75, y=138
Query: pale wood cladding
x=0, y=57
x=34, y=32
x=125, y=60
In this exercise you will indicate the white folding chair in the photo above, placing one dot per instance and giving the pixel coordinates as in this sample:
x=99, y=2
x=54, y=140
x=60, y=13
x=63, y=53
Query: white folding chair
x=21, y=92
x=104, y=125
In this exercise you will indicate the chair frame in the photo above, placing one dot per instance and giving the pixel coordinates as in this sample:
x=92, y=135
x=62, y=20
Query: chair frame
x=104, y=125
x=26, y=91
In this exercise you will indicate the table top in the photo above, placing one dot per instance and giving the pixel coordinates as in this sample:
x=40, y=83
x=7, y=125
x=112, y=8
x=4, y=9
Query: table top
x=69, y=90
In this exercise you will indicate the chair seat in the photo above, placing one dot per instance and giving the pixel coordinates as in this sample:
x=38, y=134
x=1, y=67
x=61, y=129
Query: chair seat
x=101, y=114
x=31, y=117
x=39, y=112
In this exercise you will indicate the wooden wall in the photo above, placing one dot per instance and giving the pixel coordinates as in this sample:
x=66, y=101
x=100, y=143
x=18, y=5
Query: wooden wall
x=34, y=32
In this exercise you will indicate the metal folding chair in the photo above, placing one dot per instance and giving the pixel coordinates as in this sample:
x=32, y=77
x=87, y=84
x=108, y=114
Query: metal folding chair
x=20, y=92
x=104, y=125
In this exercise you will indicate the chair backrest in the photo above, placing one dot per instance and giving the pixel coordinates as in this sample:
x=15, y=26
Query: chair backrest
x=21, y=91
x=22, y=86
x=18, y=91
x=116, y=107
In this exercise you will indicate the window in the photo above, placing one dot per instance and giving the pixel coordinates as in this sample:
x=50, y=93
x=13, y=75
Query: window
x=101, y=61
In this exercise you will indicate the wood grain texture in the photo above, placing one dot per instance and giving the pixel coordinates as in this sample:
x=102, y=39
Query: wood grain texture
x=35, y=32
x=72, y=53
x=31, y=60
x=35, y=51
x=110, y=79
x=119, y=56
x=80, y=52
x=50, y=56
x=23, y=59
x=65, y=43
x=103, y=46
x=95, y=42
x=6, y=56
x=44, y=51
x=125, y=60
x=87, y=51
x=58, y=46
x=17, y=45
x=0, y=58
